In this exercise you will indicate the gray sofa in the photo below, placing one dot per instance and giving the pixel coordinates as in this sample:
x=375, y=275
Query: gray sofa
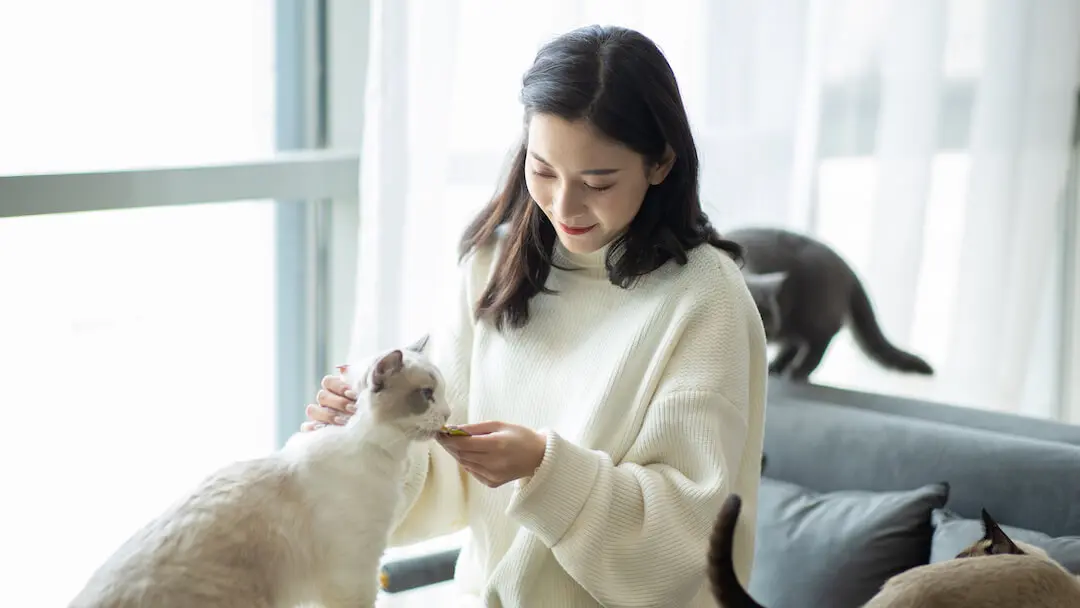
x=858, y=487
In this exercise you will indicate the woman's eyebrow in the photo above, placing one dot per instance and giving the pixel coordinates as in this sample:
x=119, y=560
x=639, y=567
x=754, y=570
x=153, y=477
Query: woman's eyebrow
x=585, y=172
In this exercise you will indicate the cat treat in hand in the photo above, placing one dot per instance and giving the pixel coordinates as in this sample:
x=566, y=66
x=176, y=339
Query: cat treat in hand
x=454, y=431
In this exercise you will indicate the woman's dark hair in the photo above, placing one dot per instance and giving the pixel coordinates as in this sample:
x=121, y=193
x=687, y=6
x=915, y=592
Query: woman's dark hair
x=618, y=81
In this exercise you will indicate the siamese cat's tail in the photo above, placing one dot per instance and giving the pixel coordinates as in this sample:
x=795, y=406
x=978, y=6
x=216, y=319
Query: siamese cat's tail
x=868, y=334
x=726, y=587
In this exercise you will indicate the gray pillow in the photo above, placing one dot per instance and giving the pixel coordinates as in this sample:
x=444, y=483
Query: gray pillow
x=952, y=533
x=836, y=549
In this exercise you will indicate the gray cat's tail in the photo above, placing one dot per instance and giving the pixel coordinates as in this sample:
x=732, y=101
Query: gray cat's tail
x=868, y=334
x=726, y=587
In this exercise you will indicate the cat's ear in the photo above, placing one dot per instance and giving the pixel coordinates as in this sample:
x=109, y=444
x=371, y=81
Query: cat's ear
x=418, y=346
x=769, y=282
x=388, y=365
x=997, y=542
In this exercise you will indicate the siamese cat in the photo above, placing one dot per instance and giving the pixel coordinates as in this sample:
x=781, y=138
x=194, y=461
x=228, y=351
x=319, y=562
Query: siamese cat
x=307, y=524
x=994, y=572
x=805, y=292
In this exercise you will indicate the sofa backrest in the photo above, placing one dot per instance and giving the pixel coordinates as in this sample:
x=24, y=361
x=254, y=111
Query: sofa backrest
x=1024, y=471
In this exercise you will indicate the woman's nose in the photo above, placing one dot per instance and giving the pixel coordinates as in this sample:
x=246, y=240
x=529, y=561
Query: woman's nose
x=566, y=203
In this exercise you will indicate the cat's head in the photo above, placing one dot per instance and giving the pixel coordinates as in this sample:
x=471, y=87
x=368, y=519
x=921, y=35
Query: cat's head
x=404, y=389
x=995, y=542
x=765, y=289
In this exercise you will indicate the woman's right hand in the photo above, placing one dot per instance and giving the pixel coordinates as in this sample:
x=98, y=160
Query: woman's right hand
x=335, y=403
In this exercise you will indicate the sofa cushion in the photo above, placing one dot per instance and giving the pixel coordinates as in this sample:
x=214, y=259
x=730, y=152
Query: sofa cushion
x=952, y=533
x=836, y=549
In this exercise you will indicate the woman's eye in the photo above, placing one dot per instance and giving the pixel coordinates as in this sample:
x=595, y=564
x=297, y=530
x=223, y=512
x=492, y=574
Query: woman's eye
x=589, y=186
x=428, y=394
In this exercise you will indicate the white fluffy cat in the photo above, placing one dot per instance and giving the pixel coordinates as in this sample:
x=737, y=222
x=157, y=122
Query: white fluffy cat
x=307, y=524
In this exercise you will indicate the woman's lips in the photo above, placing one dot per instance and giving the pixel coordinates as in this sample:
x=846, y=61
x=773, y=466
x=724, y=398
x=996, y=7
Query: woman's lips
x=575, y=230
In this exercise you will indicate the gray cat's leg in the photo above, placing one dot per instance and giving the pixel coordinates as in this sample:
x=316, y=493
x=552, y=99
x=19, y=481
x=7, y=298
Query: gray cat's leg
x=811, y=359
x=783, y=359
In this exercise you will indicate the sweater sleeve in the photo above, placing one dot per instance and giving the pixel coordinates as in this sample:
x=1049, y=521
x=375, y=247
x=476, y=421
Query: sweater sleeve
x=434, y=492
x=635, y=533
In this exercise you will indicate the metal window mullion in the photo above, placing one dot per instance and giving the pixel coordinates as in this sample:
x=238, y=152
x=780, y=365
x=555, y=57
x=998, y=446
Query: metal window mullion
x=347, y=24
x=299, y=94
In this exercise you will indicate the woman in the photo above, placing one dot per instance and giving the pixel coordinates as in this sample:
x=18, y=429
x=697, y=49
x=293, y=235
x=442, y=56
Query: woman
x=602, y=351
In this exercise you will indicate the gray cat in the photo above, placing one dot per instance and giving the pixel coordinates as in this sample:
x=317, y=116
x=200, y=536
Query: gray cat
x=994, y=572
x=805, y=292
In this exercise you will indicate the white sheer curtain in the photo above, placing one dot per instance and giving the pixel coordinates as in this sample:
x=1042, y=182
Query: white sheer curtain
x=927, y=140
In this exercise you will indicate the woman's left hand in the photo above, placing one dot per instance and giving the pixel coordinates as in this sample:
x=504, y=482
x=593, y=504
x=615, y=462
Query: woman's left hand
x=496, y=452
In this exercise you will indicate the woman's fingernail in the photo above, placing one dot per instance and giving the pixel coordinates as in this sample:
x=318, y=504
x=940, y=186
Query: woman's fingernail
x=351, y=407
x=318, y=425
x=341, y=419
x=350, y=394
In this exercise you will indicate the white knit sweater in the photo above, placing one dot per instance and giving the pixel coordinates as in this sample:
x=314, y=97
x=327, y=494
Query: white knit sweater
x=653, y=398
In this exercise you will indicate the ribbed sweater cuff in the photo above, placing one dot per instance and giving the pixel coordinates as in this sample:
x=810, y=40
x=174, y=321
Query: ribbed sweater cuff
x=548, y=503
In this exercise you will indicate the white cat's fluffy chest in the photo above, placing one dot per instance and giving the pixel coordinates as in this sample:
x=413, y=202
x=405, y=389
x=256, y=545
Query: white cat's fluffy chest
x=357, y=487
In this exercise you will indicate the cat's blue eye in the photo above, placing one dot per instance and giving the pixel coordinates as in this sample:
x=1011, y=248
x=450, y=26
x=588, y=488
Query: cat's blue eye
x=428, y=394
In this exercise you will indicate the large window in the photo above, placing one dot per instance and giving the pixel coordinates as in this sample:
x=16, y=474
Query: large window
x=167, y=231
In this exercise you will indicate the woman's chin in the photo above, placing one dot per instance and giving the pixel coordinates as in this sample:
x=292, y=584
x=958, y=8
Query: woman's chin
x=580, y=245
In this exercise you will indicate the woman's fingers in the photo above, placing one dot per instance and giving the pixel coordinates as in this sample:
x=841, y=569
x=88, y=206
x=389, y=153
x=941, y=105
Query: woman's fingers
x=484, y=477
x=494, y=442
x=458, y=448
x=333, y=401
x=325, y=415
x=485, y=466
x=474, y=463
x=335, y=404
x=482, y=428
x=455, y=447
x=337, y=386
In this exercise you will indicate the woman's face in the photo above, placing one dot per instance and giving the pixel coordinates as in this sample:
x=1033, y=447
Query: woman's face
x=588, y=186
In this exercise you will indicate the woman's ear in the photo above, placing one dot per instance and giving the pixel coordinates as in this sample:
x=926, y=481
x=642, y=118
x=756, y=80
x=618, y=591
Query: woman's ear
x=659, y=172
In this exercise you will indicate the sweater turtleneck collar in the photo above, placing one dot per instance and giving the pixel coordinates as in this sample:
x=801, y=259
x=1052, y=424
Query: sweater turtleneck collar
x=591, y=264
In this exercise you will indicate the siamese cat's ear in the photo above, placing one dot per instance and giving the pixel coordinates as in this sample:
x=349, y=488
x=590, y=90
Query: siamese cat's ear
x=997, y=542
x=770, y=282
x=418, y=346
x=388, y=365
